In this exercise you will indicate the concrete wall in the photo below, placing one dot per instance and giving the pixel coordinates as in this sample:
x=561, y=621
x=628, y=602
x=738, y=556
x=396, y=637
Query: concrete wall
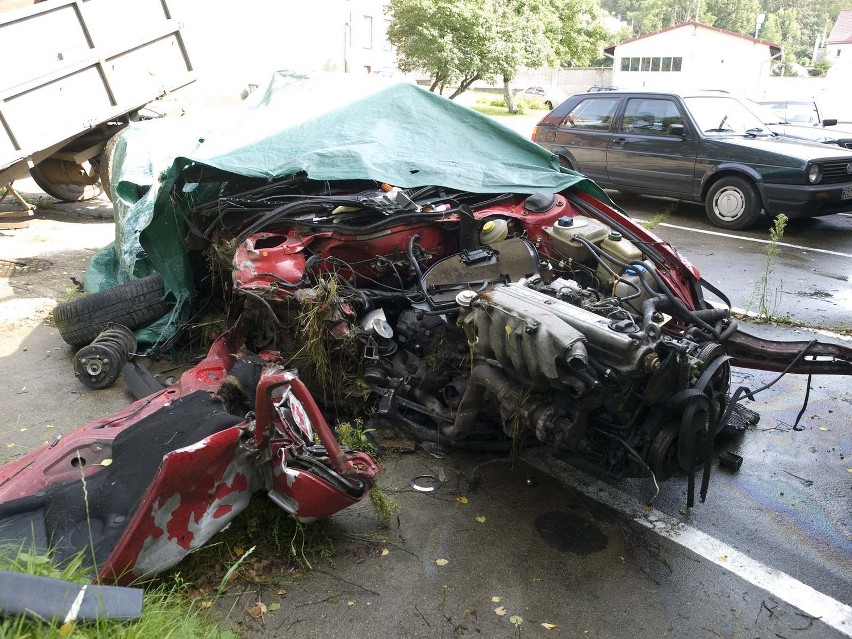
x=710, y=60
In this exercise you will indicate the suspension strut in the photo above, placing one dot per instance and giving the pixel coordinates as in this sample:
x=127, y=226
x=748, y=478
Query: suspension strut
x=98, y=364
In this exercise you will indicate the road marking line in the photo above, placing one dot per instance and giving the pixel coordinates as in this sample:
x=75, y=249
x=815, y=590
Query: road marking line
x=750, y=239
x=779, y=584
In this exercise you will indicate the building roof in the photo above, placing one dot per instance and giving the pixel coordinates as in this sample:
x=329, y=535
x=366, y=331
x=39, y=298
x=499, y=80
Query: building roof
x=774, y=49
x=842, y=31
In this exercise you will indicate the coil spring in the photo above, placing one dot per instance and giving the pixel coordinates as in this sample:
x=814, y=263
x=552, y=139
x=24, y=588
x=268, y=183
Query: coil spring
x=98, y=364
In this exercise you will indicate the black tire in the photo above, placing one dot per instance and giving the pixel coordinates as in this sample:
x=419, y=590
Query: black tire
x=565, y=163
x=135, y=304
x=66, y=192
x=733, y=203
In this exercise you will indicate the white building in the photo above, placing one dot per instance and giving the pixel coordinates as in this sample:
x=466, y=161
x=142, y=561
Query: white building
x=692, y=55
x=838, y=48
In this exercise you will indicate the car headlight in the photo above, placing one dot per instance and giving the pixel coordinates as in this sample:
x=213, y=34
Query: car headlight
x=814, y=173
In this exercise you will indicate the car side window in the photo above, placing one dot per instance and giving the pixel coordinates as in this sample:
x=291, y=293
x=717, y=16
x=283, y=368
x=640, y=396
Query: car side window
x=591, y=114
x=650, y=116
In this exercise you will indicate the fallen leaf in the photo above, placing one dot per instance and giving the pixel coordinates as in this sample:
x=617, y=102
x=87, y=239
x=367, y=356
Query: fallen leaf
x=548, y=626
x=257, y=610
x=849, y=470
x=10, y=445
x=501, y=611
x=461, y=500
x=350, y=603
x=441, y=562
x=823, y=428
x=274, y=606
x=24, y=430
x=282, y=592
x=480, y=519
x=722, y=557
x=239, y=551
x=106, y=462
x=496, y=599
x=516, y=620
x=48, y=425
x=206, y=604
x=67, y=628
x=385, y=552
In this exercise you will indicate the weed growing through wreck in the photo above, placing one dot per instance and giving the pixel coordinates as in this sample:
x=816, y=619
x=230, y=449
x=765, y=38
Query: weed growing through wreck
x=384, y=505
x=167, y=610
x=279, y=545
x=767, y=297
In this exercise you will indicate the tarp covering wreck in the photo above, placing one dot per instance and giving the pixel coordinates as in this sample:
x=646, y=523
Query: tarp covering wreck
x=399, y=134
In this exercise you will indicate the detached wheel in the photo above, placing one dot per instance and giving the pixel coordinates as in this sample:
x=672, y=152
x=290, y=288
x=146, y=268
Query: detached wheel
x=134, y=305
x=733, y=203
x=66, y=181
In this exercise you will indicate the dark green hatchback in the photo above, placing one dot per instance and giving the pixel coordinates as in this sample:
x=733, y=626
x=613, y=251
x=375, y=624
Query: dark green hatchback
x=703, y=147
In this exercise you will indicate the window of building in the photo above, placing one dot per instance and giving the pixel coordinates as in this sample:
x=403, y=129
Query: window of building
x=367, y=27
x=625, y=64
x=591, y=114
x=676, y=64
x=655, y=64
x=666, y=64
x=651, y=64
x=646, y=64
x=634, y=64
x=386, y=46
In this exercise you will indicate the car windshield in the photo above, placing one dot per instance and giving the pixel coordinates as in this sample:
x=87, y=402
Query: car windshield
x=767, y=114
x=725, y=115
x=795, y=112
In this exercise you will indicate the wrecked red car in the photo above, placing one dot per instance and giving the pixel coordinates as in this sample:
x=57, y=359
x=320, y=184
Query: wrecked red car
x=423, y=270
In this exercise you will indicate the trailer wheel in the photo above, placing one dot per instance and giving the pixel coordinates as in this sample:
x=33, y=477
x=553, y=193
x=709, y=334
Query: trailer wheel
x=106, y=165
x=65, y=180
x=134, y=304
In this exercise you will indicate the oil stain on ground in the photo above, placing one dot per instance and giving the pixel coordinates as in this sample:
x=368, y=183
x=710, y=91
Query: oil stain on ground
x=567, y=532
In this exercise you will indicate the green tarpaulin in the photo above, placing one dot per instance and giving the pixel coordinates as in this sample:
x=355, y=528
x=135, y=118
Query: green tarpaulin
x=329, y=128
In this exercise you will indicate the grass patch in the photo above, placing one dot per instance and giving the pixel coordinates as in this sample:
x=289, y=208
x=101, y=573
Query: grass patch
x=492, y=111
x=167, y=609
x=660, y=217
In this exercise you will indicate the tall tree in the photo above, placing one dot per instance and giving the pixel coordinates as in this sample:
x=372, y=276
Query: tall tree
x=458, y=42
x=734, y=15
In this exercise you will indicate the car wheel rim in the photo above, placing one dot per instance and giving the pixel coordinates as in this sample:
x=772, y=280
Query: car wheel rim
x=729, y=203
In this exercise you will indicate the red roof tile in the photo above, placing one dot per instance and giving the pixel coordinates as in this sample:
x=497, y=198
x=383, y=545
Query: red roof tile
x=774, y=48
x=842, y=31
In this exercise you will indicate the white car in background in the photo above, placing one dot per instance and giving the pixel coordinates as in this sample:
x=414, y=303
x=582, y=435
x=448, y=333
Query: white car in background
x=547, y=96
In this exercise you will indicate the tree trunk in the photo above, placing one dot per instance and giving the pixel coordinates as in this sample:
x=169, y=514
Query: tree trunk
x=464, y=85
x=507, y=95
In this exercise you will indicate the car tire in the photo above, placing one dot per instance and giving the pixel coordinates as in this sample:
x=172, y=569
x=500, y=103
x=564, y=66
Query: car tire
x=134, y=305
x=733, y=203
x=565, y=163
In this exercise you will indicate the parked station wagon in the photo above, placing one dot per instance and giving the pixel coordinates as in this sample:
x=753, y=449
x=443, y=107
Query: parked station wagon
x=702, y=147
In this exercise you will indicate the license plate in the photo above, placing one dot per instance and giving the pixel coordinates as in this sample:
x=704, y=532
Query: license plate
x=847, y=193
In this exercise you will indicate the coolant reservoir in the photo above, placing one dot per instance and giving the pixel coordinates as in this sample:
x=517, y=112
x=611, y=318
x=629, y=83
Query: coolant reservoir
x=494, y=231
x=622, y=250
x=567, y=228
x=634, y=275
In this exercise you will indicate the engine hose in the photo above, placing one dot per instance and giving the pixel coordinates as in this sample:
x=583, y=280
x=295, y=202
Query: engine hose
x=676, y=302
